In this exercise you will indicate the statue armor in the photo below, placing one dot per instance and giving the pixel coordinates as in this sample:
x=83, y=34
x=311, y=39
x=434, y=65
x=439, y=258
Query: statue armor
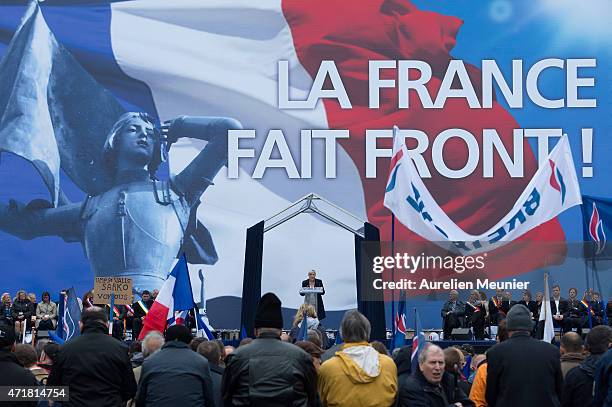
x=135, y=230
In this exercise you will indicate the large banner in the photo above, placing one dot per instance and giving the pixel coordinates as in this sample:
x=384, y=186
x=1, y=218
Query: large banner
x=241, y=108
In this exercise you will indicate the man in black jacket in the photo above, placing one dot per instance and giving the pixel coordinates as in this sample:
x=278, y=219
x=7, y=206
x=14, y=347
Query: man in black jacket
x=578, y=390
x=175, y=375
x=452, y=312
x=523, y=371
x=12, y=373
x=558, y=307
x=269, y=372
x=141, y=309
x=430, y=385
x=95, y=366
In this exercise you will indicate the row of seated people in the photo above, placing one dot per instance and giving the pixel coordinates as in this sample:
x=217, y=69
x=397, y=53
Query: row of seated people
x=567, y=314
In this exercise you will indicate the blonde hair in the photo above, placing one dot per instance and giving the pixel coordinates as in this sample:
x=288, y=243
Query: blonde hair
x=310, y=312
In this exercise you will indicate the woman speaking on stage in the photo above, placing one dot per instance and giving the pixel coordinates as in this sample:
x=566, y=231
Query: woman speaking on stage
x=313, y=282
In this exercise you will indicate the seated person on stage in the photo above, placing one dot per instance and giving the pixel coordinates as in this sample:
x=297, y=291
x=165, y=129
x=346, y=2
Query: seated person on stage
x=119, y=312
x=313, y=282
x=529, y=303
x=475, y=314
x=452, y=311
x=141, y=308
x=46, y=313
x=22, y=312
x=575, y=315
x=597, y=309
x=558, y=307
x=497, y=308
x=508, y=302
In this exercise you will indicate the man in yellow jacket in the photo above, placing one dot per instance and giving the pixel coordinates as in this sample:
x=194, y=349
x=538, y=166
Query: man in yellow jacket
x=357, y=376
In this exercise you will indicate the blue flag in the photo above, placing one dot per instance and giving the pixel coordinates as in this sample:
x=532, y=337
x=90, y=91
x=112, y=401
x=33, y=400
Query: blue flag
x=417, y=342
x=596, y=227
x=69, y=317
x=243, y=333
x=303, y=332
x=399, y=334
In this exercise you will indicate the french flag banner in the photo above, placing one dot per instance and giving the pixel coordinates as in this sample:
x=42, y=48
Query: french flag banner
x=553, y=189
x=173, y=302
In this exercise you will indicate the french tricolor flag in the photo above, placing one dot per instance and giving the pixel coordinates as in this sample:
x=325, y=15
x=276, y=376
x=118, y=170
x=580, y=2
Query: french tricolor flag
x=173, y=302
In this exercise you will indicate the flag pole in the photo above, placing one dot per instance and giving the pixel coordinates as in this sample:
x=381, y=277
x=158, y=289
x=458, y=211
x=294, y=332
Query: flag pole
x=110, y=316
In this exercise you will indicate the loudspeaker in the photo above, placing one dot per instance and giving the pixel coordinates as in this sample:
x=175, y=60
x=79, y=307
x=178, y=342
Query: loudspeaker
x=42, y=334
x=461, y=334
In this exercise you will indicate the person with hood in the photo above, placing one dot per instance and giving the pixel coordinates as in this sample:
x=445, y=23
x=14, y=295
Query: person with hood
x=358, y=375
x=269, y=372
x=579, y=382
x=95, y=366
x=431, y=385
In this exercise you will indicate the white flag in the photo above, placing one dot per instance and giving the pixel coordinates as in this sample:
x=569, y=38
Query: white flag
x=553, y=189
x=546, y=313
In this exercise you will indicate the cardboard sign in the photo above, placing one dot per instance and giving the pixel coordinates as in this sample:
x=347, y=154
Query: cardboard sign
x=121, y=287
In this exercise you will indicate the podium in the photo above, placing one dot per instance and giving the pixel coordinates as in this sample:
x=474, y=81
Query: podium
x=311, y=295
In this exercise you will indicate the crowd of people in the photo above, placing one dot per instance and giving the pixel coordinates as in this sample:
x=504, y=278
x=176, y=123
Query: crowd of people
x=275, y=369
x=480, y=312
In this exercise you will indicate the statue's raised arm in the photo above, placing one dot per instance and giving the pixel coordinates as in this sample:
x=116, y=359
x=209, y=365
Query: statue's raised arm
x=199, y=174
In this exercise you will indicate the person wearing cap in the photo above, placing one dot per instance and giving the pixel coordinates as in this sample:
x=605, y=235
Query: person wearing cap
x=12, y=372
x=269, y=372
x=523, y=371
x=95, y=366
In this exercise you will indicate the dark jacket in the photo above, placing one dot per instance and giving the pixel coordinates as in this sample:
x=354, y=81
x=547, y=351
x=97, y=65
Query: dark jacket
x=269, y=373
x=562, y=306
x=570, y=361
x=6, y=314
x=22, y=310
x=579, y=383
x=603, y=380
x=97, y=369
x=13, y=374
x=175, y=376
x=216, y=373
x=320, y=306
x=403, y=362
x=416, y=391
x=529, y=365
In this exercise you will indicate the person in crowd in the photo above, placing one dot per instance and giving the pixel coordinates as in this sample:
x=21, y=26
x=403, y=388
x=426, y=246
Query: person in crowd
x=403, y=362
x=524, y=363
x=285, y=337
x=228, y=350
x=380, y=347
x=48, y=355
x=313, y=350
x=558, y=307
x=476, y=361
x=431, y=385
x=95, y=366
x=211, y=352
x=572, y=351
x=312, y=281
x=88, y=299
x=579, y=382
x=245, y=342
x=195, y=342
x=26, y=355
x=151, y=343
x=22, y=311
x=12, y=373
x=154, y=294
x=357, y=375
x=602, y=394
x=576, y=313
x=221, y=346
x=141, y=309
x=175, y=375
x=479, y=384
x=497, y=308
x=451, y=313
x=6, y=310
x=475, y=314
x=454, y=360
x=312, y=323
x=269, y=372
x=46, y=313
x=597, y=309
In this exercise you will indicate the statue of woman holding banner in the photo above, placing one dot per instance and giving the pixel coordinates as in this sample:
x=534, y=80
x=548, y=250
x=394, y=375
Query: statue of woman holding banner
x=55, y=115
